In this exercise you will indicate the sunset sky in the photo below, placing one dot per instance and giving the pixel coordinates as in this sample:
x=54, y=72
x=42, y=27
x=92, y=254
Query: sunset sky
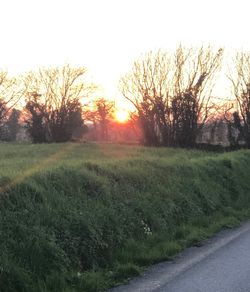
x=106, y=35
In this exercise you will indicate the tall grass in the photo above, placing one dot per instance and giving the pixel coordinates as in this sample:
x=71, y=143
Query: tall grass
x=79, y=217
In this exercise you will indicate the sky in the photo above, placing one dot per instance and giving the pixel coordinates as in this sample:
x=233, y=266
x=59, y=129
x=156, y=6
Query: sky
x=107, y=35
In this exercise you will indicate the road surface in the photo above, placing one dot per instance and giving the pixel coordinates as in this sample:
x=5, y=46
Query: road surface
x=222, y=264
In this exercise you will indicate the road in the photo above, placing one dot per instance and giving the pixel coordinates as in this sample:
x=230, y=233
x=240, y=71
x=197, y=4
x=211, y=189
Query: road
x=222, y=264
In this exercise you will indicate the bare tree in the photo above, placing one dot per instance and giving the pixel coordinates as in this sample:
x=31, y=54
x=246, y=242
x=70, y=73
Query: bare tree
x=192, y=105
x=171, y=93
x=54, y=98
x=240, y=79
x=10, y=94
x=105, y=111
x=147, y=88
x=100, y=113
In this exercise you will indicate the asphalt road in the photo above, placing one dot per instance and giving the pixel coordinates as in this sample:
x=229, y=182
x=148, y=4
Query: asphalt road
x=222, y=264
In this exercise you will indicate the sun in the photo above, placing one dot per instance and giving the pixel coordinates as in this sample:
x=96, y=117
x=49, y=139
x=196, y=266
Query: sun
x=121, y=116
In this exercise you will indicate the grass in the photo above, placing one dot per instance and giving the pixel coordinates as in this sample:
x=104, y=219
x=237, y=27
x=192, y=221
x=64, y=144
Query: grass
x=85, y=217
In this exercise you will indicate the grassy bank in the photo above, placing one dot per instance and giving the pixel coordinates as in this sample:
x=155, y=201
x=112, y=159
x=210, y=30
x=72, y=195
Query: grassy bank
x=84, y=217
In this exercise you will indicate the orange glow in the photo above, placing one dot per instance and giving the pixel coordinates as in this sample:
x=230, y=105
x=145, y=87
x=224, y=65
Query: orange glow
x=121, y=116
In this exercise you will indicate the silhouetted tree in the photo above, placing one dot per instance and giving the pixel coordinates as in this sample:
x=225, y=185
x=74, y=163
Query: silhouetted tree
x=172, y=93
x=185, y=120
x=3, y=118
x=104, y=110
x=147, y=88
x=10, y=93
x=36, y=122
x=12, y=125
x=100, y=112
x=240, y=79
x=54, y=103
x=192, y=105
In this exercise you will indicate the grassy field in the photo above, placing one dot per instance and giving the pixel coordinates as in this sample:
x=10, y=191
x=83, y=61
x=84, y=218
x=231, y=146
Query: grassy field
x=84, y=217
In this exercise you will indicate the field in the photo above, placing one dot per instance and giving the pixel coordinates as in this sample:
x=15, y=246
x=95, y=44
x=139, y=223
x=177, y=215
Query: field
x=84, y=217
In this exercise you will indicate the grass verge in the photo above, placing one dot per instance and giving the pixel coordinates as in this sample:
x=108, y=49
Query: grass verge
x=90, y=217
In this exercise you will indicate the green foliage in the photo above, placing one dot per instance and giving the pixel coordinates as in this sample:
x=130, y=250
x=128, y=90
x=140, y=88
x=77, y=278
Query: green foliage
x=79, y=217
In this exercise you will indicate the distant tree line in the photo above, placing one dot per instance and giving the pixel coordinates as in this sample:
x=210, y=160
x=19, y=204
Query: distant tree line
x=170, y=91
